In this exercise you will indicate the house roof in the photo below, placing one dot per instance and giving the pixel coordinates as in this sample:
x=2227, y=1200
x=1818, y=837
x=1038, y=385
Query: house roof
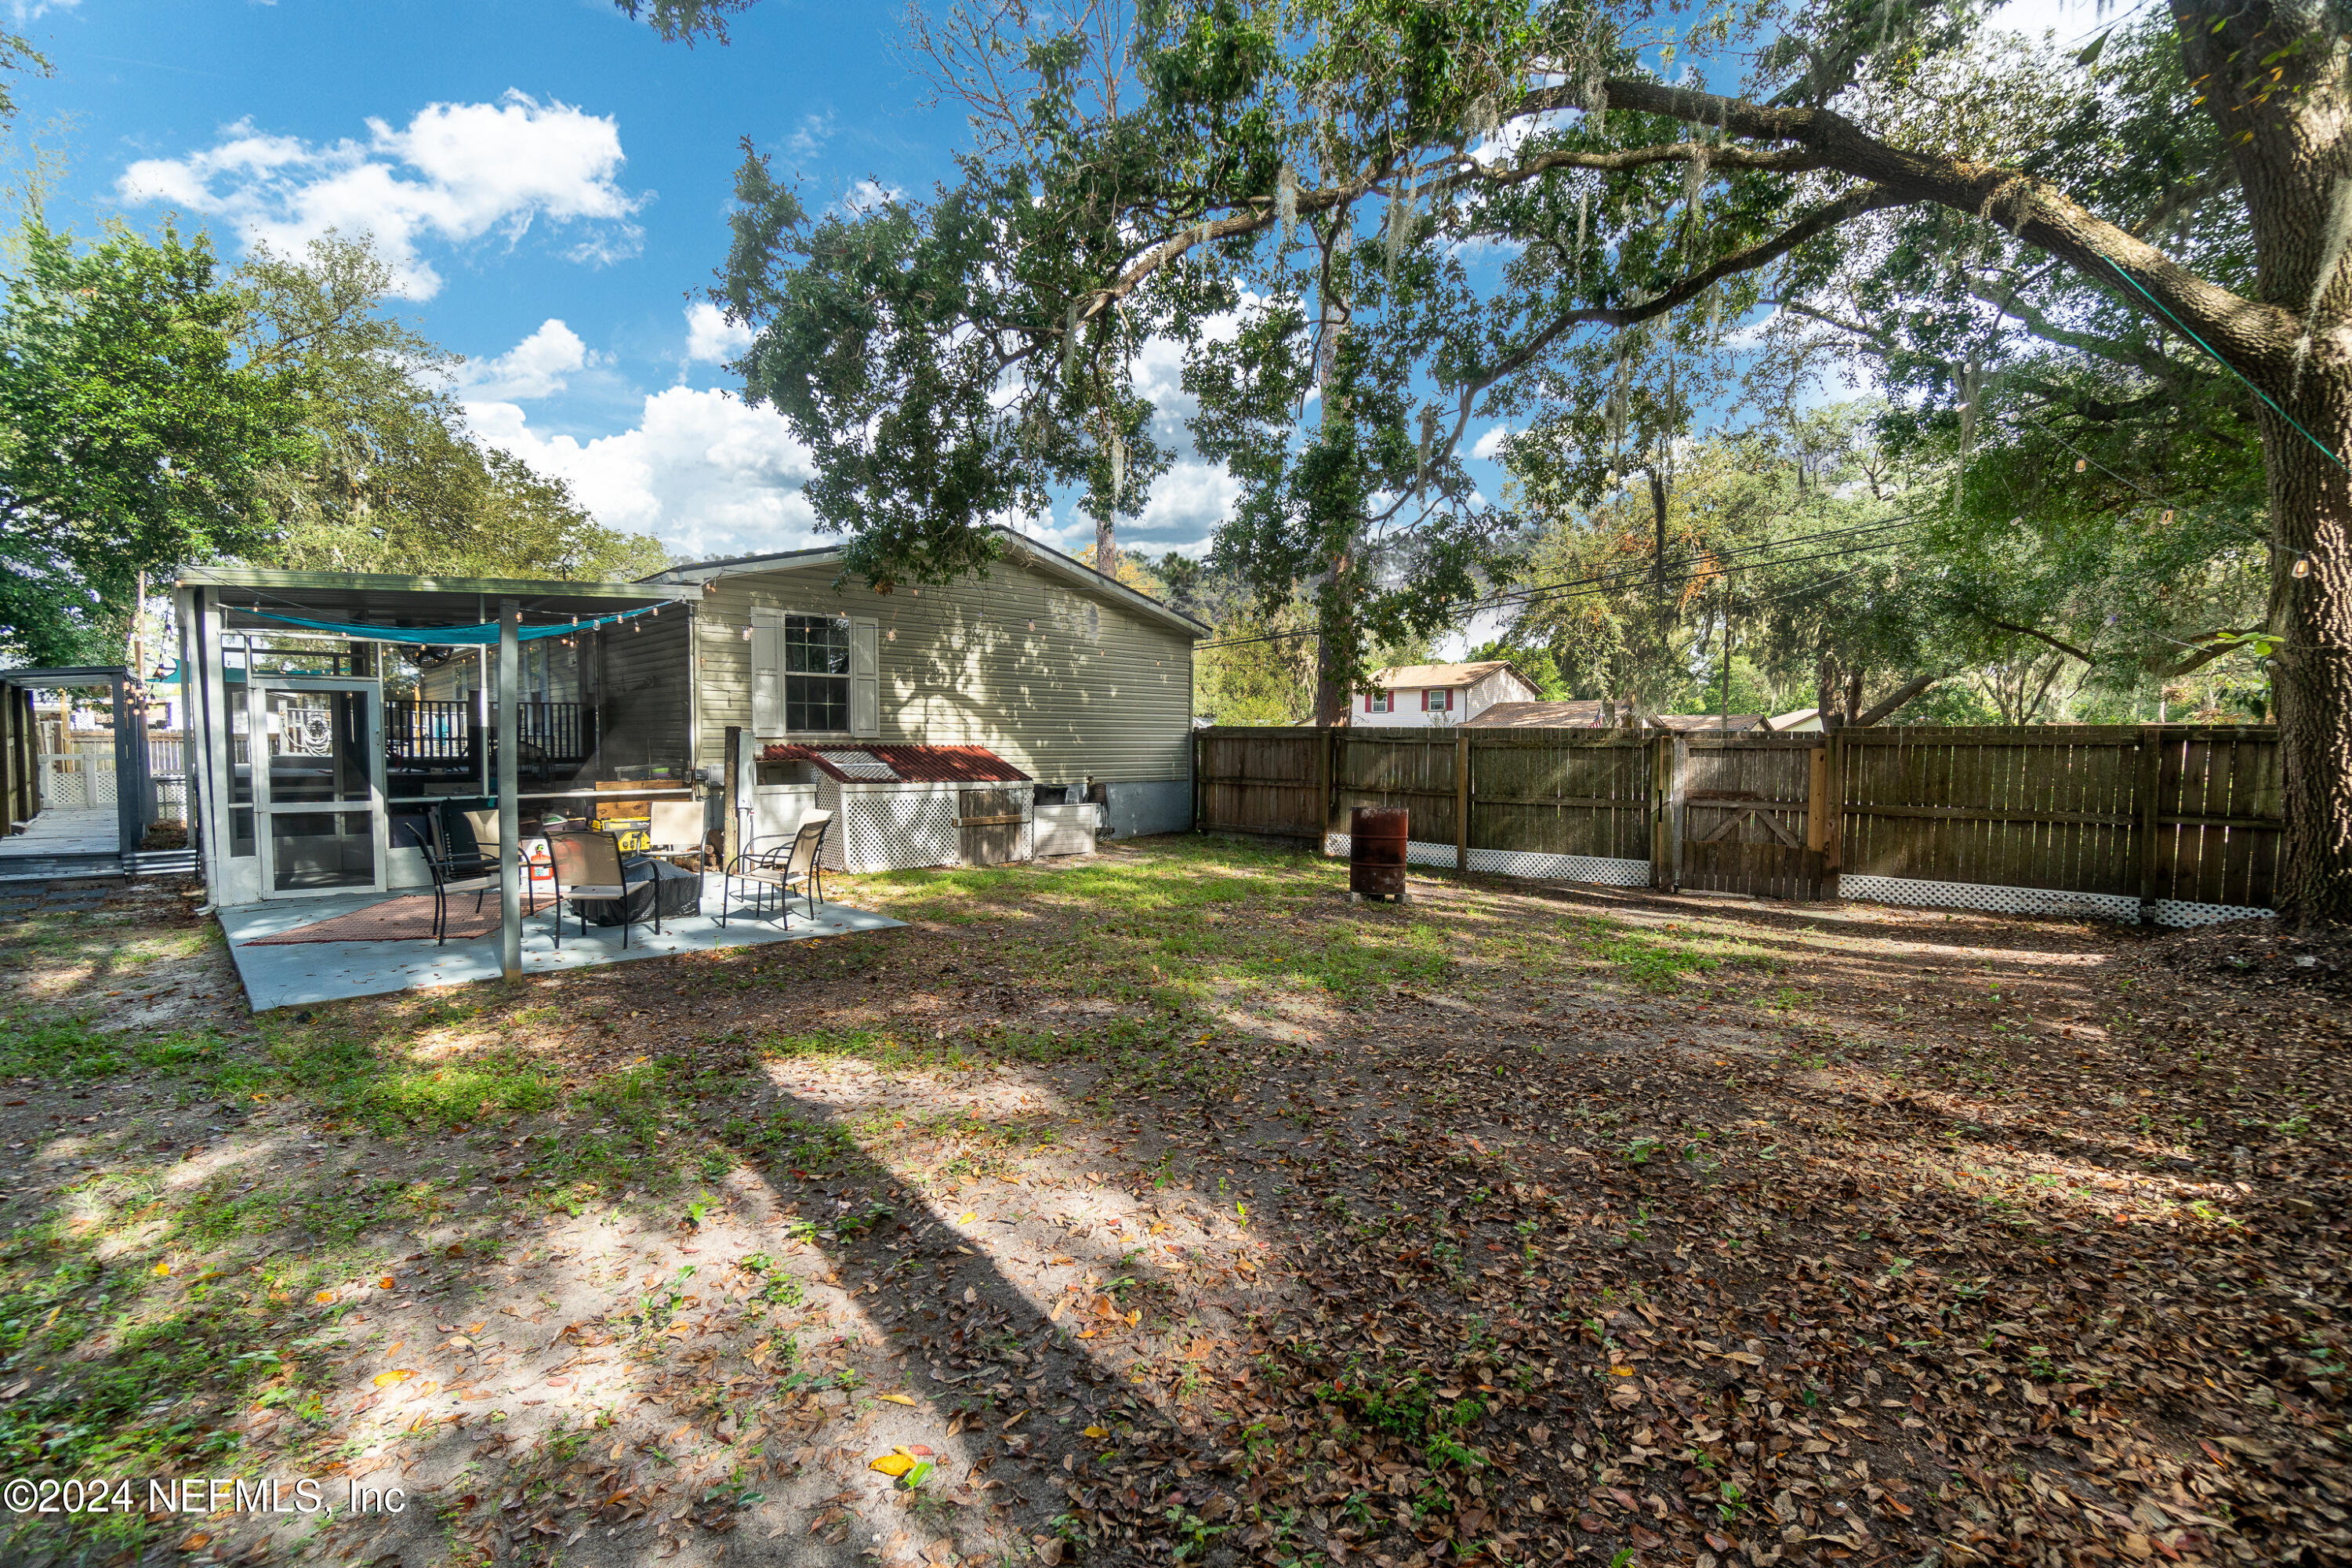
x=58, y=678
x=390, y=600
x=1583, y=714
x=1406, y=676
x=1018, y=547
x=1793, y=719
x=1699, y=723
x=902, y=764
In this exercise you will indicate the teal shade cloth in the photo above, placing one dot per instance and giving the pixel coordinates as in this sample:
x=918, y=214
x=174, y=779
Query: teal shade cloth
x=485, y=634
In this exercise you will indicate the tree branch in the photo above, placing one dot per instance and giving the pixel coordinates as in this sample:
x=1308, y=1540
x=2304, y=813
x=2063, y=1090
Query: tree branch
x=2065, y=647
x=1846, y=207
x=2136, y=357
x=1893, y=700
x=2256, y=336
x=2216, y=644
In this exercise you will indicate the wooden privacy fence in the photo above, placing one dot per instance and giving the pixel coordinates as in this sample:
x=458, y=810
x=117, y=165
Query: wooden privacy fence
x=2174, y=823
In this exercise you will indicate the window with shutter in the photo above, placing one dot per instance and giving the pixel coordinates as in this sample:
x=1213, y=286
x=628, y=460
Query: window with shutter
x=816, y=674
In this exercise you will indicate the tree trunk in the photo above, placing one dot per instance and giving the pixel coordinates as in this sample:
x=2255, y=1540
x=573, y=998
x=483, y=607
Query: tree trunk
x=1894, y=699
x=1106, y=546
x=2311, y=670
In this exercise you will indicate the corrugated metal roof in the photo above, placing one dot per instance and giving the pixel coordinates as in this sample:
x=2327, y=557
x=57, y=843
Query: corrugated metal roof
x=902, y=764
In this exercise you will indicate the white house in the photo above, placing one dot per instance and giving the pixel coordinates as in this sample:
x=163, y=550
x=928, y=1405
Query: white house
x=1419, y=694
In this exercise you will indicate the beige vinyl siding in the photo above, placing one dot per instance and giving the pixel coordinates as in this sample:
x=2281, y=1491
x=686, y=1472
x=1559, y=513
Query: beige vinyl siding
x=1096, y=688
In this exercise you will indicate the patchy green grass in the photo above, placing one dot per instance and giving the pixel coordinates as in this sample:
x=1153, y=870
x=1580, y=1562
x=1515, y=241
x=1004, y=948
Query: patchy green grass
x=1660, y=962
x=74, y=1048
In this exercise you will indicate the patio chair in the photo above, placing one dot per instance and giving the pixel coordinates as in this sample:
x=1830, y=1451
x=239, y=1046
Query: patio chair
x=483, y=827
x=779, y=862
x=452, y=874
x=589, y=866
x=679, y=836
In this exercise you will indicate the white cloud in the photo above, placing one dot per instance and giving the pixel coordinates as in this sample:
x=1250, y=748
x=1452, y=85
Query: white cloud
x=535, y=367
x=703, y=471
x=710, y=337
x=868, y=196
x=1188, y=501
x=1490, y=444
x=33, y=10
x=815, y=131
x=457, y=173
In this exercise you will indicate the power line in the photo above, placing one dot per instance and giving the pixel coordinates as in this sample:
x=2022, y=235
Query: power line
x=1724, y=559
x=1577, y=589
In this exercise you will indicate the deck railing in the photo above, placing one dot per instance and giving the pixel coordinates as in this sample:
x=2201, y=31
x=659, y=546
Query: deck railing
x=426, y=733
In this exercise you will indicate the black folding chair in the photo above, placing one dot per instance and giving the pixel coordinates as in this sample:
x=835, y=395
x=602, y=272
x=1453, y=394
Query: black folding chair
x=453, y=874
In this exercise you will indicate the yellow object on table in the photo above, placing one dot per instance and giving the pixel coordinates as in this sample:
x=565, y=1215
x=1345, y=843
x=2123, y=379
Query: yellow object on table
x=633, y=834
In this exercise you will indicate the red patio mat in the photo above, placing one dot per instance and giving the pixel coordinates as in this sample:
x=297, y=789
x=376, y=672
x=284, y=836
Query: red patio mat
x=405, y=918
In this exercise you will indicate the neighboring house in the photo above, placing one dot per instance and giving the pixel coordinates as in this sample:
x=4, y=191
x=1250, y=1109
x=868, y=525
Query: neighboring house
x=1705, y=723
x=1797, y=720
x=1584, y=714
x=1419, y=694
x=1063, y=672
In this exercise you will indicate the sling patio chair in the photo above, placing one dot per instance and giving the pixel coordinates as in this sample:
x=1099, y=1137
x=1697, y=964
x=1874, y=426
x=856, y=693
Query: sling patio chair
x=589, y=866
x=680, y=838
x=482, y=826
x=780, y=862
x=452, y=873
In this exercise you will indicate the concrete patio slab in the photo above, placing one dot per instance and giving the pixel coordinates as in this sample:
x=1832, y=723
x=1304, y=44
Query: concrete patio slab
x=301, y=973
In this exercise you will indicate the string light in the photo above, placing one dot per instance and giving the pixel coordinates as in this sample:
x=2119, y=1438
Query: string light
x=2302, y=564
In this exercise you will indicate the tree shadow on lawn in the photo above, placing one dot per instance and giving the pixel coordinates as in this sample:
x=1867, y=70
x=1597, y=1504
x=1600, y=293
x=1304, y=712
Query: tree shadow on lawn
x=646, y=1377
x=1512, y=1305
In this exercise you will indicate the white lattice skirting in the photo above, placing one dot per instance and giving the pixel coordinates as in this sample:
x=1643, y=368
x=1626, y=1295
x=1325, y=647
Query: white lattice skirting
x=892, y=830
x=1601, y=869
x=1919, y=894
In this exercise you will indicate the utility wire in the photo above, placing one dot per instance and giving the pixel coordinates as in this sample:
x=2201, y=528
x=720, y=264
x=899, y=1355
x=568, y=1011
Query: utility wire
x=1639, y=574
x=1592, y=586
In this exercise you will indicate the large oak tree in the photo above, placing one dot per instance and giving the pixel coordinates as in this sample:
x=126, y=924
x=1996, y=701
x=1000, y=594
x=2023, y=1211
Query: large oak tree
x=1420, y=213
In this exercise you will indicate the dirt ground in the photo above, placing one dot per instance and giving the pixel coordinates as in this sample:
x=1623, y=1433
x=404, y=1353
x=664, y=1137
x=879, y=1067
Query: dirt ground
x=1162, y=1206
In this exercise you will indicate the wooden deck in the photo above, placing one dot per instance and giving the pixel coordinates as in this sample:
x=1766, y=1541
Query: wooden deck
x=56, y=832
x=62, y=844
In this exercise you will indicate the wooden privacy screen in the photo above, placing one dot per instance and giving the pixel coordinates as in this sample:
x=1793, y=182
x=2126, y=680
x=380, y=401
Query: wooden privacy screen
x=2179, y=813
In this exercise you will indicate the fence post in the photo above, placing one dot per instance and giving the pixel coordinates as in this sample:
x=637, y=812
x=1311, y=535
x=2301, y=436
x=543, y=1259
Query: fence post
x=2151, y=779
x=1324, y=740
x=1461, y=801
x=1669, y=753
x=1833, y=765
x=1196, y=780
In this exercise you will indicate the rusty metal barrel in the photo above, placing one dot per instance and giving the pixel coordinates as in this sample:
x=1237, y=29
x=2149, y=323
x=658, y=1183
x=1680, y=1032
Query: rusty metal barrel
x=1375, y=841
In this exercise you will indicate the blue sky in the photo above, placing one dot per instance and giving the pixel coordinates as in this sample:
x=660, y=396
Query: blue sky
x=552, y=181
x=551, y=178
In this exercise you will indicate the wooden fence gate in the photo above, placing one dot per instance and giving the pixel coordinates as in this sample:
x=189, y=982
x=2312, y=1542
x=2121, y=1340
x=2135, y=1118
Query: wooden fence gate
x=1746, y=815
x=2174, y=823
